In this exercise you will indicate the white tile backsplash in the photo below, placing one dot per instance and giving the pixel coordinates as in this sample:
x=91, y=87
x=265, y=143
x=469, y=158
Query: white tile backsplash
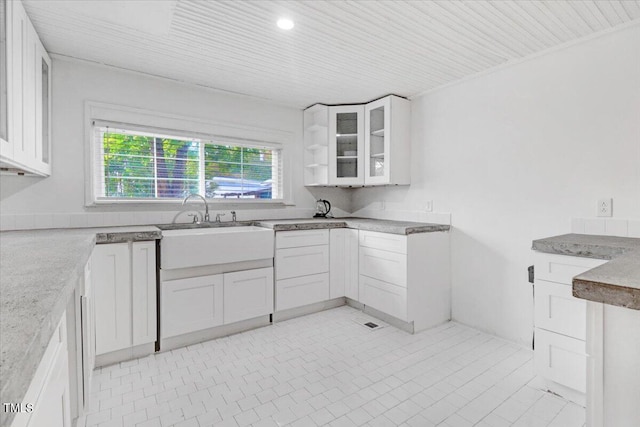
x=594, y=226
x=616, y=227
x=633, y=228
x=25, y=222
x=577, y=225
x=606, y=226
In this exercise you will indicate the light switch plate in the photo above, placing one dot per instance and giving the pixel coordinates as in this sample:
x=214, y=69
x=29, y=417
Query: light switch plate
x=604, y=207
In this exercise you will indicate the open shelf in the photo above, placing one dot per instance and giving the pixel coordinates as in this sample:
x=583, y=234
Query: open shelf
x=346, y=135
x=316, y=127
x=377, y=155
x=316, y=165
x=379, y=132
x=346, y=157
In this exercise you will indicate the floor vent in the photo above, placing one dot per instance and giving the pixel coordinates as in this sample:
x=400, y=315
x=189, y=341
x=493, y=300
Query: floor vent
x=371, y=325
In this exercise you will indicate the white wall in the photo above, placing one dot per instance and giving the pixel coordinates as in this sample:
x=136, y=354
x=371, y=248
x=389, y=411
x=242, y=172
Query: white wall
x=28, y=202
x=513, y=156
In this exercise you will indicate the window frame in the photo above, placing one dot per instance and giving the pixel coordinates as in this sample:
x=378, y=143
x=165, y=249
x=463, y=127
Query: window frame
x=136, y=119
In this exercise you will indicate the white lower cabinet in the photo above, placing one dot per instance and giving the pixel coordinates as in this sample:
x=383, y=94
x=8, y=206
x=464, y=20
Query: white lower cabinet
x=301, y=268
x=561, y=359
x=112, y=286
x=248, y=294
x=560, y=355
x=383, y=296
x=406, y=276
x=387, y=266
x=124, y=285
x=295, y=262
x=191, y=304
x=300, y=291
x=198, y=303
x=343, y=263
x=88, y=326
x=49, y=389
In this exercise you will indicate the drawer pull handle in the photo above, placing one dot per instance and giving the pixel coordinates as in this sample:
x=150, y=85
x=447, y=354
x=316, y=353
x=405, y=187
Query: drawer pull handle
x=301, y=255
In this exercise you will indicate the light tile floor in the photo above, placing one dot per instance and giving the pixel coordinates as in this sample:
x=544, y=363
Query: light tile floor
x=328, y=369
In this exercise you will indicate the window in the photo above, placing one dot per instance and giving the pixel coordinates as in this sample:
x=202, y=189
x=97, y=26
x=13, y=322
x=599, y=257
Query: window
x=136, y=164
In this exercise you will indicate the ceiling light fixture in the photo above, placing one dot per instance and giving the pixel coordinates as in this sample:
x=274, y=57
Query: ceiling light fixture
x=285, y=23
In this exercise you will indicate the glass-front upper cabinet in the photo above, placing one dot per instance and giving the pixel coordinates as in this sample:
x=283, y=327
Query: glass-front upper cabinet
x=346, y=145
x=387, y=143
x=4, y=71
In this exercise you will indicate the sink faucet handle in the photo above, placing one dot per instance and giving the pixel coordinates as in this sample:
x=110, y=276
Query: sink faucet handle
x=233, y=216
x=195, y=217
x=218, y=215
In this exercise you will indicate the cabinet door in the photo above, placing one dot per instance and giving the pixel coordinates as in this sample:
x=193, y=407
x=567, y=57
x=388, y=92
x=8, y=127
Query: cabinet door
x=387, y=266
x=298, y=238
x=248, y=294
x=561, y=359
x=26, y=154
x=383, y=296
x=557, y=310
x=343, y=263
x=294, y=262
x=111, y=267
x=17, y=45
x=300, y=291
x=42, y=110
x=52, y=407
x=376, y=139
x=143, y=281
x=5, y=147
x=346, y=145
x=190, y=305
x=88, y=333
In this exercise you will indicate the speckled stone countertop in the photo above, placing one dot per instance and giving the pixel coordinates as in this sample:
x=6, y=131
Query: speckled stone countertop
x=39, y=270
x=616, y=282
x=381, y=225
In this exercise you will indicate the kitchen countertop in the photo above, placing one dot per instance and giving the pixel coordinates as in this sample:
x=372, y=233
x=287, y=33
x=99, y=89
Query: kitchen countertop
x=380, y=225
x=39, y=270
x=616, y=282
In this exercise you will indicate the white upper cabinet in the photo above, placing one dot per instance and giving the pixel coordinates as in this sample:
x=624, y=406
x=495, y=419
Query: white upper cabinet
x=346, y=145
x=25, y=126
x=358, y=145
x=387, y=148
x=316, y=145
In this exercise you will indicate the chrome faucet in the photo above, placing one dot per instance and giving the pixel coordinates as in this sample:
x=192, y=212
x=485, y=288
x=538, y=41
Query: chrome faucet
x=218, y=215
x=206, y=205
x=233, y=216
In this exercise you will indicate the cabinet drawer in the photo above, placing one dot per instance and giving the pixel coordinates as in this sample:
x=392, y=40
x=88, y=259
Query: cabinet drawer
x=384, y=241
x=562, y=268
x=295, y=239
x=248, y=294
x=301, y=291
x=561, y=359
x=557, y=310
x=383, y=265
x=294, y=262
x=189, y=305
x=386, y=297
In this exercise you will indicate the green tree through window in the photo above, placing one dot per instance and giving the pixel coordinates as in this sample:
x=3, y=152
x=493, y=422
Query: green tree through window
x=137, y=165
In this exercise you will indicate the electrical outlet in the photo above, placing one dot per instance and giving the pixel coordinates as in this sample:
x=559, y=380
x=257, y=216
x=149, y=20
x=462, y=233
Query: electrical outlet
x=429, y=206
x=604, y=207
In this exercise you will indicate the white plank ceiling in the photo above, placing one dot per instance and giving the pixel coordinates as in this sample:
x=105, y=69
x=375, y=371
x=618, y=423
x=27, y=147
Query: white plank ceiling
x=338, y=52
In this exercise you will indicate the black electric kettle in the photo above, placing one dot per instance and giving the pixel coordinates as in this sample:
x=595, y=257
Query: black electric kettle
x=322, y=208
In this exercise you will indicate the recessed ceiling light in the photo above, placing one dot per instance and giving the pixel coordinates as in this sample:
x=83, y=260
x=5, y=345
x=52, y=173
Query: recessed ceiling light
x=285, y=23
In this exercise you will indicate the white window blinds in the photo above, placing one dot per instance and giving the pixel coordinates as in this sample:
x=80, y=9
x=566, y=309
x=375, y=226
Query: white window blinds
x=135, y=163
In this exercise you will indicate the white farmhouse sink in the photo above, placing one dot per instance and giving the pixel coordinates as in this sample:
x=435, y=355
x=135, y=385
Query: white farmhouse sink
x=218, y=245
